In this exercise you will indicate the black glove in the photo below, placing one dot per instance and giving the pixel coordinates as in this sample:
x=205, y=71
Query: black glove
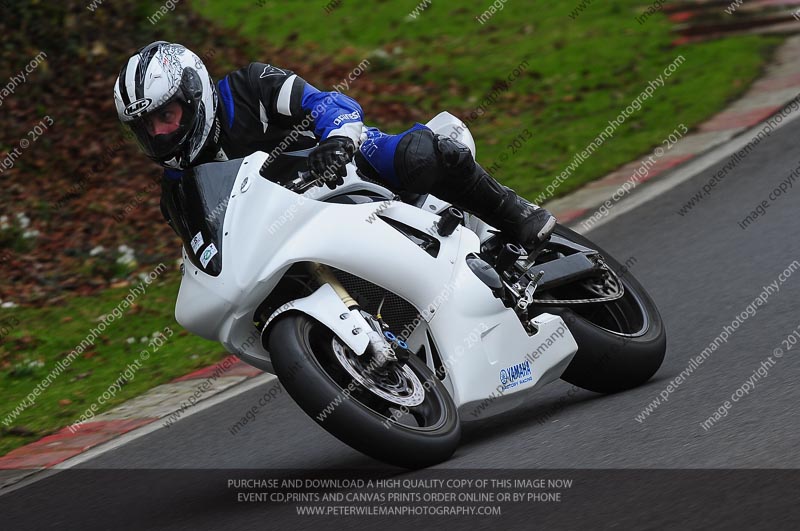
x=329, y=158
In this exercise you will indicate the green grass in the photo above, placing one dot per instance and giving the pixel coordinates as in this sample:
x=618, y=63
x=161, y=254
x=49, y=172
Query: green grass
x=42, y=337
x=581, y=72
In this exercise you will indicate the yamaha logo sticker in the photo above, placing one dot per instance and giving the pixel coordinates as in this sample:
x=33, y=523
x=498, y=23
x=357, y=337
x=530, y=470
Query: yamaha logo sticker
x=137, y=107
x=516, y=375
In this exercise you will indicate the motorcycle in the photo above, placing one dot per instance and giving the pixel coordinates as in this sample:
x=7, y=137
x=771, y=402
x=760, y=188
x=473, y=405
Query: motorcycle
x=391, y=319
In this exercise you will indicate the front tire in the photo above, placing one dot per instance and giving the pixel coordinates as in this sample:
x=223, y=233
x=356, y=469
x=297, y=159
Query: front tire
x=308, y=360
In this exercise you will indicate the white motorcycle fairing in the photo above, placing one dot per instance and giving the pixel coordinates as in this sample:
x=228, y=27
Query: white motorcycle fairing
x=267, y=229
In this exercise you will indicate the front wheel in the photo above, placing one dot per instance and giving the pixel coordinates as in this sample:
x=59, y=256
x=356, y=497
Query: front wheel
x=399, y=413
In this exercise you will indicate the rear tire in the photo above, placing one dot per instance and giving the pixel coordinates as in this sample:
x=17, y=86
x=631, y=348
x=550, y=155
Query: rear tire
x=304, y=357
x=606, y=361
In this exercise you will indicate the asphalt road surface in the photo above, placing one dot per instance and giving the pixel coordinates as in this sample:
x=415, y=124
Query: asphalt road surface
x=702, y=269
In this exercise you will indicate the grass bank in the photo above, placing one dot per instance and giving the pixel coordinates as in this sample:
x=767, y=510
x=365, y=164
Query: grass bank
x=38, y=342
x=579, y=72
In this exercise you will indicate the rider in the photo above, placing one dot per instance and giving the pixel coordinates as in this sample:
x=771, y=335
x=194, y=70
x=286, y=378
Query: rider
x=181, y=118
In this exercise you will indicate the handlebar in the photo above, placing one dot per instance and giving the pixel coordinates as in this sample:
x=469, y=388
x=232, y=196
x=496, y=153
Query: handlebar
x=304, y=181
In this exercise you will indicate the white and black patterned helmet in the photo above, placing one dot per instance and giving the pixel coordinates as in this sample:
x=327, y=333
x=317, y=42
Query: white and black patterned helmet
x=157, y=75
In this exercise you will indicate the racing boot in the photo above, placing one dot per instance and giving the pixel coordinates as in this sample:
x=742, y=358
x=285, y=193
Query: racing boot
x=420, y=161
x=470, y=187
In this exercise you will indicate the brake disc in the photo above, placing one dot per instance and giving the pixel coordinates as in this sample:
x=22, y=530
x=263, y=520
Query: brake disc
x=401, y=387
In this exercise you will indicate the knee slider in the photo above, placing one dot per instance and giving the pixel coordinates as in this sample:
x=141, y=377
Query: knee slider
x=455, y=158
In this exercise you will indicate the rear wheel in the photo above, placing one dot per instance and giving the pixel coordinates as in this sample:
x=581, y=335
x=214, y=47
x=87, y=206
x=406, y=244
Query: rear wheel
x=398, y=413
x=621, y=343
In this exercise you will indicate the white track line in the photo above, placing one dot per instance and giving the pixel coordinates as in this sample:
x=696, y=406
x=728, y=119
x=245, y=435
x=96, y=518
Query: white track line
x=124, y=439
x=673, y=178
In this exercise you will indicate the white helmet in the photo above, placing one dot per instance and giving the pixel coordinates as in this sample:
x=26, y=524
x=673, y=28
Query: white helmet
x=154, y=77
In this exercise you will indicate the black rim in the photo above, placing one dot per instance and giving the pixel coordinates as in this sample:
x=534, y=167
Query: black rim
x=625, y=316
x=429, y=415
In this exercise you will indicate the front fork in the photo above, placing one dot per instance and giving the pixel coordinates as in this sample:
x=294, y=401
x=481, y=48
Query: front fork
x=380, y=348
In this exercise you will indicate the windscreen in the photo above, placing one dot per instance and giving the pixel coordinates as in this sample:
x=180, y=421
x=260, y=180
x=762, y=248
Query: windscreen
x=196, y=204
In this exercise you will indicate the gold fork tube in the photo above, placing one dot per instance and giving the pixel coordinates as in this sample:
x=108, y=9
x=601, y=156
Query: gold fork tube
x=324, y=275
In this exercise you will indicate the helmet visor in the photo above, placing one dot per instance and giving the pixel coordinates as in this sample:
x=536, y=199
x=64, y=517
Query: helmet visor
x=162, y=132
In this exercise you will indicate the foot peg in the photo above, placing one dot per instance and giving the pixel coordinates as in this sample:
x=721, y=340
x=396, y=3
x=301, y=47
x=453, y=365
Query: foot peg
x=530, y=289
